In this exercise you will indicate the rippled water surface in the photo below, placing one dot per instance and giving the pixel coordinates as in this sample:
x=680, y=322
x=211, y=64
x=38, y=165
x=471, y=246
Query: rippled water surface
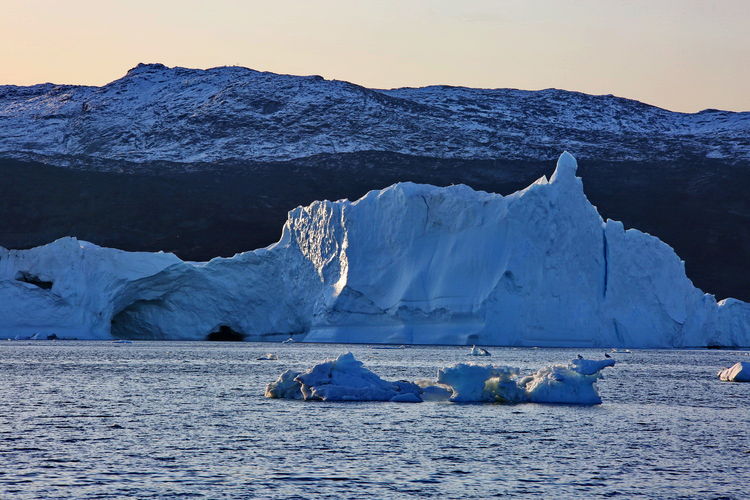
x=182, y=419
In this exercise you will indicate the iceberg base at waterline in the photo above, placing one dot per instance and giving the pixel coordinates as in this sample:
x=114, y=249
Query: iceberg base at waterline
x=346, y=379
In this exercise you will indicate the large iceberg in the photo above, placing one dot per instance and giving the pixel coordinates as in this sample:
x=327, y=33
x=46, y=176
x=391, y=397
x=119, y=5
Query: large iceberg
x=346, y=379
x=409, y=264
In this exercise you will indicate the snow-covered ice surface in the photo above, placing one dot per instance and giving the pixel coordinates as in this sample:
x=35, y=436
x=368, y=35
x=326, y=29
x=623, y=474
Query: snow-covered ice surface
x=346, y=379
x=97, y=420
x=738, y=372
x=409, y=264
x=189, y=115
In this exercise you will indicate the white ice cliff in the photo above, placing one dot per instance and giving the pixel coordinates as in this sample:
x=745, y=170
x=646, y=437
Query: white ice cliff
x=406, y=264
x=346, y=379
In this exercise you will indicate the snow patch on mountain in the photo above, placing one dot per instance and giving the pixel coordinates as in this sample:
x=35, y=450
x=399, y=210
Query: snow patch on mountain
x=189, y=115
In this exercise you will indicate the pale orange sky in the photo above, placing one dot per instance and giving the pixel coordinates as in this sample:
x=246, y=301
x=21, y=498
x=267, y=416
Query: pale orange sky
x=684, y=55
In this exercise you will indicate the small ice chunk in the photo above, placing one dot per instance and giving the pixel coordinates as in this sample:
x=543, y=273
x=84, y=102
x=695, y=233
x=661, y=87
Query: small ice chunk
x=478, y=351
x=343, y=379
x=559, y=384
x=739, y=372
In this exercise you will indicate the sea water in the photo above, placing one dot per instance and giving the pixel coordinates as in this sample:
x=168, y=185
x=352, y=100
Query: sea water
x=189, y=420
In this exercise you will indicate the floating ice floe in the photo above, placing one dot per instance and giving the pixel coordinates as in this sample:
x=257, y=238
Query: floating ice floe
x=346, y=379
x=341, y=379
x=478, y=351
x=739, y=372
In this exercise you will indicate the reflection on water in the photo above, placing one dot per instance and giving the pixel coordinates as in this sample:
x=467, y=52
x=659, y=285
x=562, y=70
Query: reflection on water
x=102, y=420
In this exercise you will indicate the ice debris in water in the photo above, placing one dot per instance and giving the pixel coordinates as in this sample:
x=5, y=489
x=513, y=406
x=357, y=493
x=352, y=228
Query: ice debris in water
x=341, y=379
x=346, y=379
x=267, y=357
x=739, y=372
x=478, y=351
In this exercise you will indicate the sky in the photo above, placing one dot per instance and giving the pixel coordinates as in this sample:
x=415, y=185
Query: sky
x=683, y=55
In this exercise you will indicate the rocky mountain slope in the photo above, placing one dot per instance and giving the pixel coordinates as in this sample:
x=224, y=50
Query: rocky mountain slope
x=156, y=113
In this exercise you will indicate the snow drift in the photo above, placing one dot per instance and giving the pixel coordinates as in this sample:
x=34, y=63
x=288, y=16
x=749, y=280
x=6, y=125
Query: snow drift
x=346, y=379
x=407, y=264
